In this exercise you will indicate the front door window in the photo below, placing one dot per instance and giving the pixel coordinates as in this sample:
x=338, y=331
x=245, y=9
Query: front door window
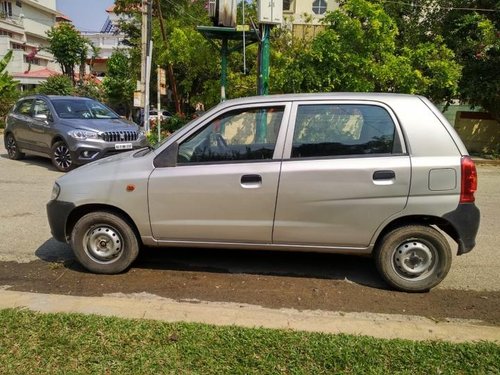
x=240, y=135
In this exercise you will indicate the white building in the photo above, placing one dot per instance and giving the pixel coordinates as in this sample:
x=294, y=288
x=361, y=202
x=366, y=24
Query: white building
x=107, y=40
x=23, y=28
x=305, y=16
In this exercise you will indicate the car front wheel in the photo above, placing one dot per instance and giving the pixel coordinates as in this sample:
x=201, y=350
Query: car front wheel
x=413, y=258
x=104, y=242
x=61, y=157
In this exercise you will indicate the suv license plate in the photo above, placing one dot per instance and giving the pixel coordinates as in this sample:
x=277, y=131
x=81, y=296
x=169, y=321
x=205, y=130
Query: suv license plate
x=123, y=146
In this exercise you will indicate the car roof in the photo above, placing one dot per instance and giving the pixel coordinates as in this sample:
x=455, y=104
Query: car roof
x=321, y=96
x=67, y=97
x=52, y=97
x=385, y=98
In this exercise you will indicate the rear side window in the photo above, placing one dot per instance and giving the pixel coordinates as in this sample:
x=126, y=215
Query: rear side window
x=323, y=130
x=24, y=108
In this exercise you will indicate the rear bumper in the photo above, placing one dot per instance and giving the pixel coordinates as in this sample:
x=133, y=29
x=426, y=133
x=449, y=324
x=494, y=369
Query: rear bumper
x=465, y=220
x=58, y=213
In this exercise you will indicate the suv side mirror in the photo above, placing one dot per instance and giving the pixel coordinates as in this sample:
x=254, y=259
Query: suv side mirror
x=168, y=158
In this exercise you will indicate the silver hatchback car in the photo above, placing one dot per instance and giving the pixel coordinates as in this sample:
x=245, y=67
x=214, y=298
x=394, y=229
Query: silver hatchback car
x=379, y=174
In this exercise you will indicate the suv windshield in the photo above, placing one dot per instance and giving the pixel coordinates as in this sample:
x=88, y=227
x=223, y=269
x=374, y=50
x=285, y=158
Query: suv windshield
x=82, y=109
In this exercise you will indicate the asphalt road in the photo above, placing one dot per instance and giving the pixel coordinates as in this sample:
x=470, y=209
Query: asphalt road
x=25, y=188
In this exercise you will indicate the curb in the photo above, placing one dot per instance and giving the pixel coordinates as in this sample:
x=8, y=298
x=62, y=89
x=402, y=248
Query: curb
x=147, y=306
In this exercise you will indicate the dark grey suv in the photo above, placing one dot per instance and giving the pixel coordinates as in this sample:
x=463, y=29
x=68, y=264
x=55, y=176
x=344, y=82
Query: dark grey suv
x=70, y=130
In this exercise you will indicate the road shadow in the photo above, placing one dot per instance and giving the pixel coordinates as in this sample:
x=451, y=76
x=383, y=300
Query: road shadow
x=53, y=251
x=39, y=161
x=357, y=269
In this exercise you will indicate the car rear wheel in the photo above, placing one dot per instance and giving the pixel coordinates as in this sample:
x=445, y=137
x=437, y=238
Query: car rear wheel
x=413, y=258
x=12, y=148
x=104, y=243
x=61, y=157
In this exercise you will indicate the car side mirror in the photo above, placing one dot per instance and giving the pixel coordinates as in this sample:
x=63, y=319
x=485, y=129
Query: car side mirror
x=168, y=157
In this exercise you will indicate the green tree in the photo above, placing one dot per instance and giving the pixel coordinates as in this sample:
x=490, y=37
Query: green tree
x=90, y=89
x=475, y=38
x=8, y=87
x=358, y=52
x=56, y=85
x=68, y=46
x=119, y=83
x=471, y=29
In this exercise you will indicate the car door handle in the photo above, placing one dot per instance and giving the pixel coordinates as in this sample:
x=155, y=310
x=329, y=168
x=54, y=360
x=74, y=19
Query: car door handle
x=383, y=175
x=251, y=181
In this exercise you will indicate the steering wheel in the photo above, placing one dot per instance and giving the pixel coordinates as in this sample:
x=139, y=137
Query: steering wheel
x=221, y=142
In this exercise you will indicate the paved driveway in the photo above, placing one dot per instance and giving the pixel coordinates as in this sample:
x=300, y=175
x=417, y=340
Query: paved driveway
x=25, y=188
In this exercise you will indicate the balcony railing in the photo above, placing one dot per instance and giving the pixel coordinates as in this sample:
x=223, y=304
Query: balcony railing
x=18, y=21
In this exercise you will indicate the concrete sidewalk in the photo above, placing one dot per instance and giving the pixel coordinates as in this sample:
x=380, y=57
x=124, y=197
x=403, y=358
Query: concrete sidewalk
x=145, y=306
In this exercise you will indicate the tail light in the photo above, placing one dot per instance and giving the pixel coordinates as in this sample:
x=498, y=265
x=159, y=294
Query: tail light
x=469, y=180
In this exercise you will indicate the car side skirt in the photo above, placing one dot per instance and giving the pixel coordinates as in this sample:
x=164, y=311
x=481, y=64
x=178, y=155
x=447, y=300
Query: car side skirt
x=150, y=241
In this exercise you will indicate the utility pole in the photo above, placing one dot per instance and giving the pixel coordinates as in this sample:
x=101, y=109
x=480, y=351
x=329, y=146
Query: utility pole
x=263, y=84
x=146, y=13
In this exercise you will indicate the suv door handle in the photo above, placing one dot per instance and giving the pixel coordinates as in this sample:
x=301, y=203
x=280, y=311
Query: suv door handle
x=251, y=181
x=383, y=175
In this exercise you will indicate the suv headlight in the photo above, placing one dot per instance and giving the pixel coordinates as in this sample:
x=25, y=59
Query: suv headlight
x=83, y=134
x=56, y=189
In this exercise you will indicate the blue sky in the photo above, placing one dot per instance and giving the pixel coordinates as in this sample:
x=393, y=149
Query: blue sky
x=87, y=15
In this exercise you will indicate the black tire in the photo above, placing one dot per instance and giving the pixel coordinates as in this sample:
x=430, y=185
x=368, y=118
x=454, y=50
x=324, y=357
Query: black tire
x=12, y=148
x=104, y=242
x=61, y=157
x=413, y=258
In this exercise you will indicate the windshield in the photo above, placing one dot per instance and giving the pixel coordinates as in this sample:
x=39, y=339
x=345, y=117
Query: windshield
x=82, y=109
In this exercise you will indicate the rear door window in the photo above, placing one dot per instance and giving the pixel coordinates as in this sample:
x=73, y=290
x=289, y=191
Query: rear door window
x=329, y=130
x=41, y=108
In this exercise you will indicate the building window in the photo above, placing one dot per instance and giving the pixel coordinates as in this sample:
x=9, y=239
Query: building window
x=19, y=3
x=319, y=6
x=288, y=6
x=18, y=46
x=6, y=10
x=6, y=33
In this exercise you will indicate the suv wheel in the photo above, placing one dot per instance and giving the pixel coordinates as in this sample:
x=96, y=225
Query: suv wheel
x=413, y=258
x=104, y=243
x=12, y=148
x=61, y=157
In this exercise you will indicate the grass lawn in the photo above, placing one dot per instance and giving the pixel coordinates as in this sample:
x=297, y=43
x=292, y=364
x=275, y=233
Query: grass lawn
x=33, y=343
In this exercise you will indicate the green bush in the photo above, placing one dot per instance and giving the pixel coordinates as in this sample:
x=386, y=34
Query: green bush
x=168, y=126
x=56, y=85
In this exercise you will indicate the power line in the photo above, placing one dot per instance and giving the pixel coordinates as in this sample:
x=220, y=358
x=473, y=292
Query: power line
x=440, y=7
x=183, y=11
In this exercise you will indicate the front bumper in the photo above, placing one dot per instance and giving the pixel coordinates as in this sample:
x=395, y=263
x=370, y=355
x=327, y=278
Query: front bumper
x=58, y=213
x=465, y=220
x=86, y=151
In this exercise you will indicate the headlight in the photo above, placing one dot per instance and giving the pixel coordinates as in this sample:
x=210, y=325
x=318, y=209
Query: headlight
x=56, y=189
x=141, y=133
x=83, y=134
